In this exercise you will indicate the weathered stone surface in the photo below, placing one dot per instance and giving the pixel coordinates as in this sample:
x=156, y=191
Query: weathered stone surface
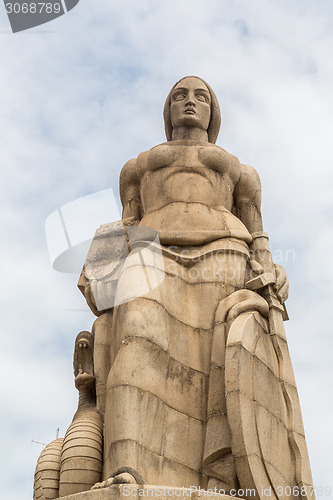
x=189, y=380
x=46, y=484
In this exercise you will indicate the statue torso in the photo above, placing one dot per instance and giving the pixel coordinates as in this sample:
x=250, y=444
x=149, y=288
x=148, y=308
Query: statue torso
x=187, y=189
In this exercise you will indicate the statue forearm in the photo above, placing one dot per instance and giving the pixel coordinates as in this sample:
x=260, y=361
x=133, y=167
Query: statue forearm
x=262, y=265
x=132, y=211
x=260, y=251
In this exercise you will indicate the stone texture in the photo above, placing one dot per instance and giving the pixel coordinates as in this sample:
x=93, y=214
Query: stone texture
x=186, y=379
x=46, y=484
x=264, y=423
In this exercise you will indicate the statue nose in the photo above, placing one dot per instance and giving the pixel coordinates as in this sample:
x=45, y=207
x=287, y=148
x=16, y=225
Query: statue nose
x=190, y=101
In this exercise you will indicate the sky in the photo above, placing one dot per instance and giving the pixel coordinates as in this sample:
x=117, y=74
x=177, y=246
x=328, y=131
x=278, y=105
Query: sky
x=83, y=94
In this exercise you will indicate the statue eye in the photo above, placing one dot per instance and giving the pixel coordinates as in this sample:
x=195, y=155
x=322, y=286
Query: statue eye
x=179, y=96
x=202, y=97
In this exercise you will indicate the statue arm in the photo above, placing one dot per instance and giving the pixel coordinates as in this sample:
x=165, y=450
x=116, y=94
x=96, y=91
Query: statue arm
x=247, y=207
x=131, y=201
x=130, y=192
x=247, y=199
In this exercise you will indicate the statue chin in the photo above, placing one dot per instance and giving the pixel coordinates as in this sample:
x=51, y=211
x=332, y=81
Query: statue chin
x=84, y=380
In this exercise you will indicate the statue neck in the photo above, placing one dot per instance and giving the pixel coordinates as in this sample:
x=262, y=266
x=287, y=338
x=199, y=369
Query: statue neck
x=87, y=397
x=189, y=134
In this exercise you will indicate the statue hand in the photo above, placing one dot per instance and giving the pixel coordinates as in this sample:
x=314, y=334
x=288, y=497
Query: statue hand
x=129, y=221
x=281, y=285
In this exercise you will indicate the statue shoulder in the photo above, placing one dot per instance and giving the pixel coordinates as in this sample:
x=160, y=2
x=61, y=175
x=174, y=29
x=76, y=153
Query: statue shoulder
x=129, y=172
x=128, y=178
x=248, y=186
x=232, y=157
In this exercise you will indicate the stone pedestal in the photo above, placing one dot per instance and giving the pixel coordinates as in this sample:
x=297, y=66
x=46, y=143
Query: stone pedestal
x=136, y=492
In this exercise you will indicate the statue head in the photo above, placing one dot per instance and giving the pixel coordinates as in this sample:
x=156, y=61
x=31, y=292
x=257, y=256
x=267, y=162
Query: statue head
x=192, y=103
x=83, y=363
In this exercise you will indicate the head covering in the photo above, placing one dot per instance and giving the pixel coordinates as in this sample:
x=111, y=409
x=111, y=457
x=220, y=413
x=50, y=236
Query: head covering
x=215, y=113
x=88, y=352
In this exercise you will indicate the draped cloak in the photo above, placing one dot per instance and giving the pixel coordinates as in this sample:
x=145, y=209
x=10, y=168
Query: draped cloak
x=190, y=397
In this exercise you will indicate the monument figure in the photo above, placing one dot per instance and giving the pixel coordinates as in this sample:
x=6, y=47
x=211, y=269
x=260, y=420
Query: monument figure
x=193, y=377
x=74, y=463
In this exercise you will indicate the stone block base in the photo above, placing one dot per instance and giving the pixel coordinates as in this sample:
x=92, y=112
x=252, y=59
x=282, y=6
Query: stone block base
x=137, y=492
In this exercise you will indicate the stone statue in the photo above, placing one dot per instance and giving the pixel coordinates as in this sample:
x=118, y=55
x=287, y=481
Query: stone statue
x=74, y=463
x=193, y=376
x=81, y=456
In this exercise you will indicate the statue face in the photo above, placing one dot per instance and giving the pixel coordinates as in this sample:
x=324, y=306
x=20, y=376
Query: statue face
x=190, y=104
x=83, y=356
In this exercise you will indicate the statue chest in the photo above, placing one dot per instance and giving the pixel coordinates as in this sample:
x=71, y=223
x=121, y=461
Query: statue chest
x=183, y=173
x=195, y=158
